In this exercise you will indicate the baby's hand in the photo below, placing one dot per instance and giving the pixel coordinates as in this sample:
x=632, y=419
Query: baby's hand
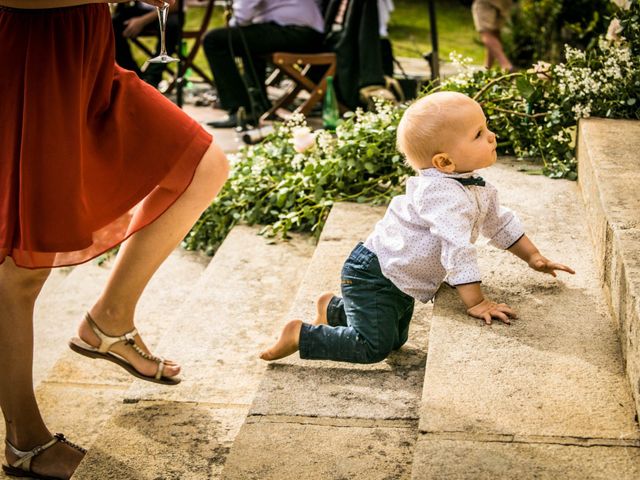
x=486, y=310
x=544, y=265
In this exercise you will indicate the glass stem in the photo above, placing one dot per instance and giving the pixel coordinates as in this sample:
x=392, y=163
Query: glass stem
x=162, y=16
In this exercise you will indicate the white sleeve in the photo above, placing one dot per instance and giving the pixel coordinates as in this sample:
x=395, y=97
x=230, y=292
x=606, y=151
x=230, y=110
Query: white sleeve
x=450, y=215
x=501, y=226
x=244, y=11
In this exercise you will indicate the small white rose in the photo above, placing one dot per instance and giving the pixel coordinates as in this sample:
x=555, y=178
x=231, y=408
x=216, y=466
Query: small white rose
x=542, y=70
x=614, y=31
x=302, y=138
x=623, y=4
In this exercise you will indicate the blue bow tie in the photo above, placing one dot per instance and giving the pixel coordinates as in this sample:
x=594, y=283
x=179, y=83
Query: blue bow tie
x=478, y=181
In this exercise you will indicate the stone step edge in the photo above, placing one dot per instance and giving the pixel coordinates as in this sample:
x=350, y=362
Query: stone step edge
x=128, y=399
x=610, y=247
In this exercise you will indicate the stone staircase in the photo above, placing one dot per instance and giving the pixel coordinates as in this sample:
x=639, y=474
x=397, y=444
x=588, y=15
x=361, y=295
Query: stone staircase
x=547, y=397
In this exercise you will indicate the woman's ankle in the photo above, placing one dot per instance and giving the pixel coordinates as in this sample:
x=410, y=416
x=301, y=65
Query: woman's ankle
x=28, y=439
x=112, y=320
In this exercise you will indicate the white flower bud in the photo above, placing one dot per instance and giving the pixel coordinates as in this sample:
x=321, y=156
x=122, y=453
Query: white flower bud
x=614, y=30
x=302, y=138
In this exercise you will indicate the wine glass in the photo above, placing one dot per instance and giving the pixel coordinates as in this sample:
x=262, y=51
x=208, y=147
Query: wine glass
x=163, y=57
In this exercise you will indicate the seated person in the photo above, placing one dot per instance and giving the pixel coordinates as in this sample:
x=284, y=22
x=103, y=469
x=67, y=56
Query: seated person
x=258, y=28
x=135, y=18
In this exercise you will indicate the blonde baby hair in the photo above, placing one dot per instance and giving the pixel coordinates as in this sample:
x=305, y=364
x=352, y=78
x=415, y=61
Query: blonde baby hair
x=427, y=126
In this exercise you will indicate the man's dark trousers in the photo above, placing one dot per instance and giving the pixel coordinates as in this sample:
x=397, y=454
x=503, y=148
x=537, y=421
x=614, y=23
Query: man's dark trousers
x=260, y=40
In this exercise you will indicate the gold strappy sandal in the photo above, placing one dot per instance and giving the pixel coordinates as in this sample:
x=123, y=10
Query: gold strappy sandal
x=22, y=466
x=106, y=342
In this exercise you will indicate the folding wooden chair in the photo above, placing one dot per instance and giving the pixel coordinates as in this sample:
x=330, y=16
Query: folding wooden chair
x=188, y=60
x=296, y=66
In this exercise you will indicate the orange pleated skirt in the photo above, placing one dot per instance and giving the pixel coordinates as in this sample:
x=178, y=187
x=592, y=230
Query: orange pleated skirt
x=82, y=141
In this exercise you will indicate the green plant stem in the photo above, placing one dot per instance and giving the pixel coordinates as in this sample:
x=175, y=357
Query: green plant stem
x=520, y=114
x=493, y=82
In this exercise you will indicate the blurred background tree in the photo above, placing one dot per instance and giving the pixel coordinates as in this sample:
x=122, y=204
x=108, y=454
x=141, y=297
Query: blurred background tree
x=540, y=28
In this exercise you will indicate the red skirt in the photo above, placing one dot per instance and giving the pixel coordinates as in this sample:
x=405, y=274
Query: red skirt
x=82, y=141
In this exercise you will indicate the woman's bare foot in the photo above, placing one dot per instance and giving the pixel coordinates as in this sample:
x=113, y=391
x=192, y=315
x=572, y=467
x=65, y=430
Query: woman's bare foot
x=287, y=343
x=322, y=303
x=142, y=365
x=58, y=461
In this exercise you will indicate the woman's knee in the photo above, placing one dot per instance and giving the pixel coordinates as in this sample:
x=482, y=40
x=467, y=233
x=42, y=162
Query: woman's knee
x=22, y=281
x=211, y=174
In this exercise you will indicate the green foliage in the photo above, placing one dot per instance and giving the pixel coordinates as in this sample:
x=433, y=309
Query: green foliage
x=286, y=186
x=274, y=185
x=541, y=28
x=535, y=113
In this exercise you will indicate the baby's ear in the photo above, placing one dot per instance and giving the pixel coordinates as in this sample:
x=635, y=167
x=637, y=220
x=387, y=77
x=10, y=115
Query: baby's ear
x=443, y=163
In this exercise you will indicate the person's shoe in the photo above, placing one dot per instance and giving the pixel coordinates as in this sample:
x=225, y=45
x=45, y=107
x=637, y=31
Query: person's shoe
x=107, y=342
x=22, y=466
x=233, y=120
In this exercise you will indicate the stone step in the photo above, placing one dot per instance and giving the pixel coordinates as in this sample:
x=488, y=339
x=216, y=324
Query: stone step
x=51, y=322
x=216, y=332
x=64, y=297
x=71, y=388
x=322, y=420
x=610, y=181
x=546, y=397
x=78, y=393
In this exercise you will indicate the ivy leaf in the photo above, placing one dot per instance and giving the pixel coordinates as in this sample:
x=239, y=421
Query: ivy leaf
x=525, y=88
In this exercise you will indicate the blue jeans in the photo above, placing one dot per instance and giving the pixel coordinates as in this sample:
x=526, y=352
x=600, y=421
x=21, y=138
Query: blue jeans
x=367, y=323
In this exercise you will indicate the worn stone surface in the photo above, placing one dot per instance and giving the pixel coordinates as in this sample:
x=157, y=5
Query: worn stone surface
x=79, y=394
x=291, y=451
x=230, y=317
x=557, y=370
x=186, y=431
x=67, y=294
x=624, y=295
x=163, y=440
x=78, y=411
x=443, y=459
x=154, y=314
x=341, y=392
x=610, y=181
x=296, y=391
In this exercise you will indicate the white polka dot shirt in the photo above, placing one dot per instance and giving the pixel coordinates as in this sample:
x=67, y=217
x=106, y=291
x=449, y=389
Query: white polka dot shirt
x=427, y=235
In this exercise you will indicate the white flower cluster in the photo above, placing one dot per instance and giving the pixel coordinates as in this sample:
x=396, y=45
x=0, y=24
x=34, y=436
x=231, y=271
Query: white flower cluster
x=583, y=81
x=366, y=122
x=464, y=67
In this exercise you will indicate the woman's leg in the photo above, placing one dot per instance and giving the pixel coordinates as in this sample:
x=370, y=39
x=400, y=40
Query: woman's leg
x=142, y=254
x=25, y=428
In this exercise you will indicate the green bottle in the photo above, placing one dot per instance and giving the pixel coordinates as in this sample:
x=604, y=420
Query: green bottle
x=187, y=74
x=330, y=111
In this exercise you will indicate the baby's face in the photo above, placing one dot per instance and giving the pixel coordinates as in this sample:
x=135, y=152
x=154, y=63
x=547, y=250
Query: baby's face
x=472, y=145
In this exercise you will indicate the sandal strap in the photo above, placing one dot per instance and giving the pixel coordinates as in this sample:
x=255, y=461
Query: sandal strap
x=107, y=341
x=63, y=439
x=25, y=457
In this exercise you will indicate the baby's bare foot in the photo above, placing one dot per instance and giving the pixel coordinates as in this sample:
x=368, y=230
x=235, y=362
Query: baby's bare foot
x=286, y=344
x=322, y=303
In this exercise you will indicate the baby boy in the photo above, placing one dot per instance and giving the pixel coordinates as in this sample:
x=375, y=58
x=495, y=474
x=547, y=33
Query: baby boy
x=426, y=237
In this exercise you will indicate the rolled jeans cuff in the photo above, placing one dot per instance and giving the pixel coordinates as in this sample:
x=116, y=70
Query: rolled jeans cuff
x=335, y=310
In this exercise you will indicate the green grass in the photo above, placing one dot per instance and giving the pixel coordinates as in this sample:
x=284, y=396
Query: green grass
x=411, y=36
x=408, y=29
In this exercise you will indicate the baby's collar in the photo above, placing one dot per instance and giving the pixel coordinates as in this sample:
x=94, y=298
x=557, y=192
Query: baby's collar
x=434, y=172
